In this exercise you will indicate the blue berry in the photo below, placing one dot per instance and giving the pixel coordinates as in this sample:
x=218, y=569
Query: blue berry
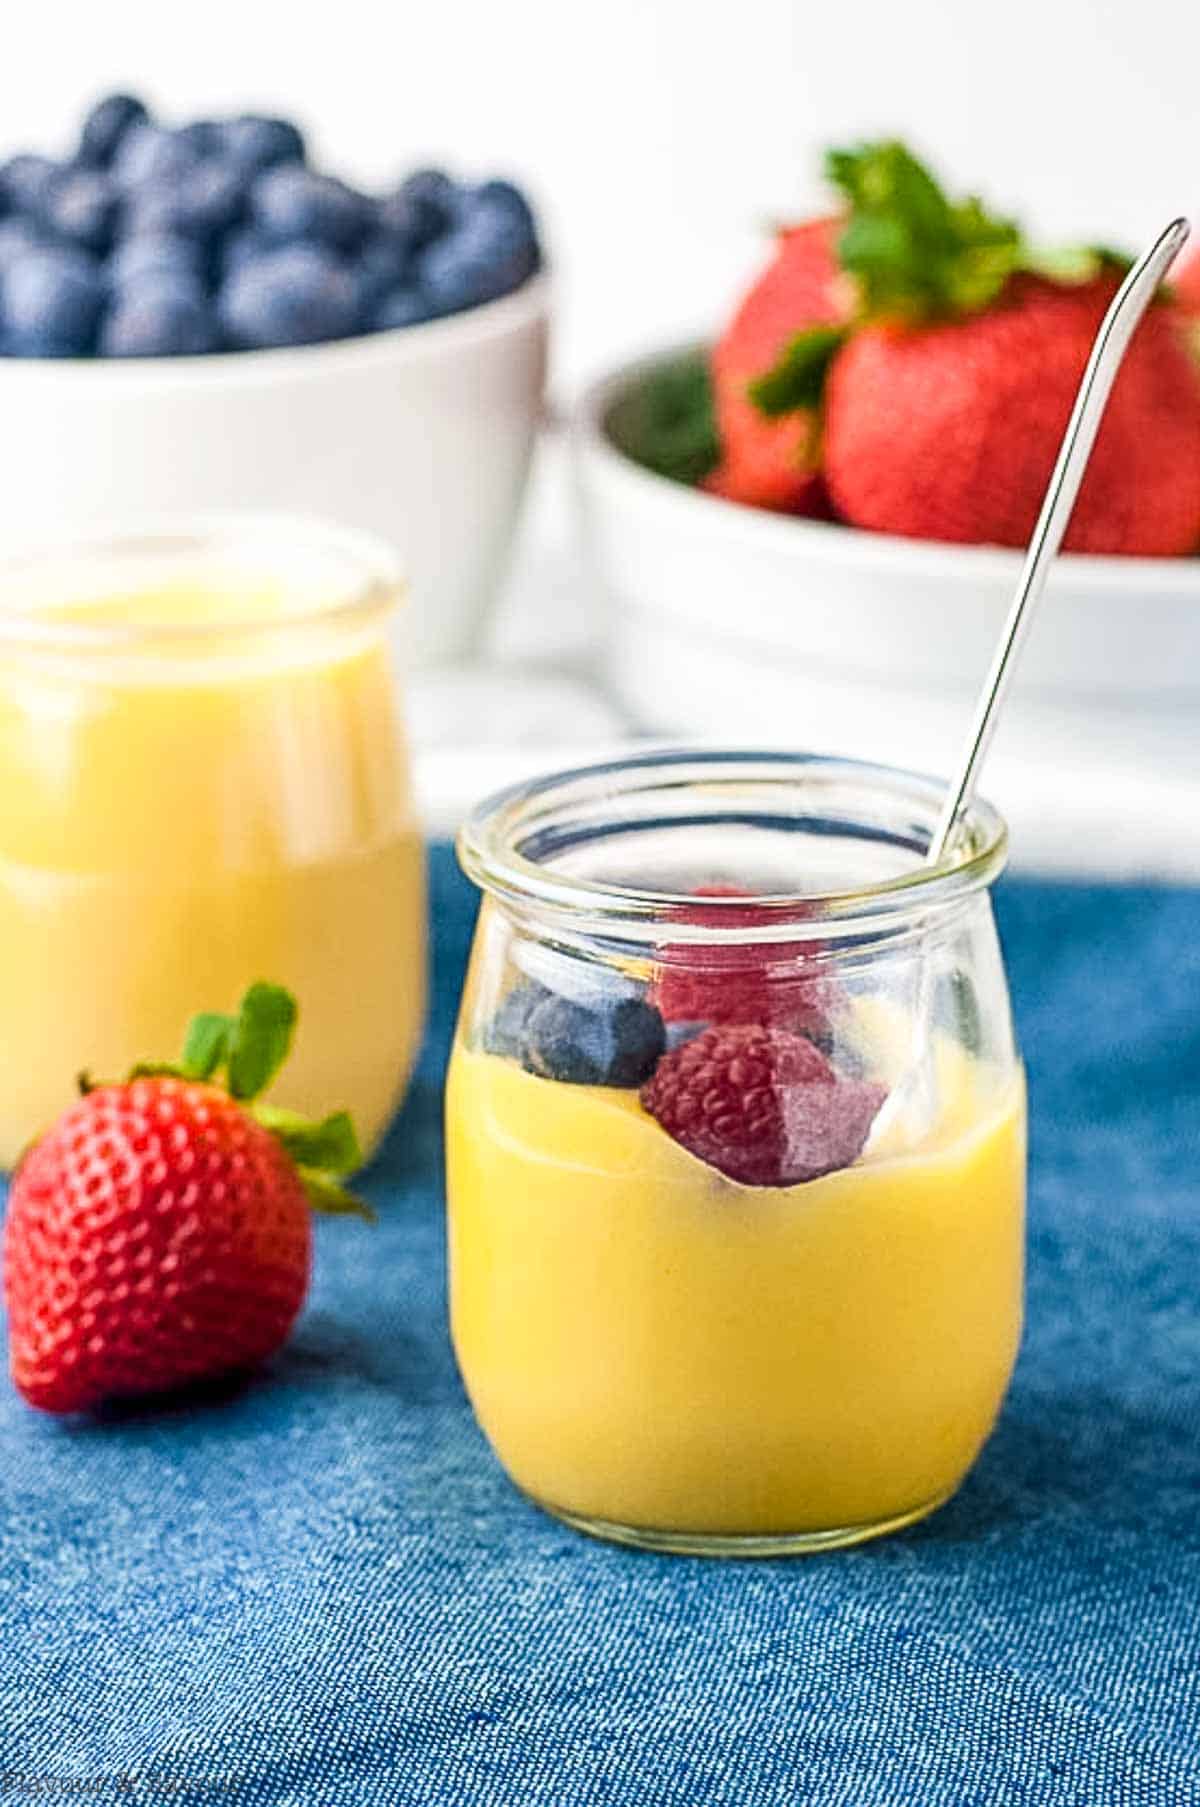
x=290, y=204
x=618, y=1046
x=152, y=153
x=199, y=202
x=402, y=307
x=18, y=236
x=28, y=180
x=155, y=254
x=240, y=247
x=423, y=206
x=162, y=317
x=505, y=1034
x=257, y=143
x=617, y=1042
x=487, y=255
x=106, y=125
x=52, y=300
x=204, y=136
x=383, y=264
x=506, y=198
x=297, y=295
x=84, y=207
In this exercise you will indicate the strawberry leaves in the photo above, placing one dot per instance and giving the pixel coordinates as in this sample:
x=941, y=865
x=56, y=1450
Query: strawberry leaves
x=797, y=378
x=916, y=254
x=249, y=1049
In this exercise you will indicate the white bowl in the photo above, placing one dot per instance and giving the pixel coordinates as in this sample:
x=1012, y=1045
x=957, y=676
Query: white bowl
x=422, y=435
x=721, y=614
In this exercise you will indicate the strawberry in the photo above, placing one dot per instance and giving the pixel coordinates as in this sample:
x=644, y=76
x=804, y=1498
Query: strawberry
x=159, y=1233
x=950, y=431
x=769, y=462
x=944, y=399
x=1185, y=282
x=733, y=983
x=763, y=1106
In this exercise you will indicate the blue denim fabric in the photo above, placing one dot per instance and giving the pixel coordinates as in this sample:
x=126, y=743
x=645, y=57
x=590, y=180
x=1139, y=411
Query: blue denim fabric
x=319, y=1588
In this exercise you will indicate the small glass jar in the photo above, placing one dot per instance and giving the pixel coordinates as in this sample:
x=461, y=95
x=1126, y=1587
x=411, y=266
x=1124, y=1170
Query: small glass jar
x=736, y=1150
x=203, y=782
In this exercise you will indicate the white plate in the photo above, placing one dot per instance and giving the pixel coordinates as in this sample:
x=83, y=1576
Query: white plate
x=791, y=597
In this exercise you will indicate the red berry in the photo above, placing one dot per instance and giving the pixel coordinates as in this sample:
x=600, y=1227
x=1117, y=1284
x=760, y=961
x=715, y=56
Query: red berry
x=761, y=1105
x=155, y=1236
x=771, y=983
x=949, y=430
x=770, y=463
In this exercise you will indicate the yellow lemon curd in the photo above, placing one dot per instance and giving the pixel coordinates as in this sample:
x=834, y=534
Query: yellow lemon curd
x=193, y=812
x=649, y=1345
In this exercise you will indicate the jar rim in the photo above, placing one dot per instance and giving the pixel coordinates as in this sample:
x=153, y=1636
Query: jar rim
x=490, y=850
x=373, y=581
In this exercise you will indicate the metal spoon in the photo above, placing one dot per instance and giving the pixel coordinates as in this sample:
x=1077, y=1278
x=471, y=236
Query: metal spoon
x=916, y=1093
x=1111, y=343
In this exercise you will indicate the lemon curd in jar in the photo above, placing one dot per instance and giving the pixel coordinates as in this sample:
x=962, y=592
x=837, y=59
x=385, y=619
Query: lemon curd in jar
x=735, y=1151
x=203, y=782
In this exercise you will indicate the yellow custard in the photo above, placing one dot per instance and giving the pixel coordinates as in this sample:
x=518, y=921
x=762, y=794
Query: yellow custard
x=182, y=815
x=650, y=1345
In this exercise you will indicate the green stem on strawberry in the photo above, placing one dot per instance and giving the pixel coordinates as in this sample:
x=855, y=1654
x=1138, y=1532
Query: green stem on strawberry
x=249, y=1049
x=915, y=256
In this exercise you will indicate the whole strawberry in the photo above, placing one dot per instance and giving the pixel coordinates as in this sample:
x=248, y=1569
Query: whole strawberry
x=771, y=463
x=159, y=1233
x=943, y=400
x=950, y=431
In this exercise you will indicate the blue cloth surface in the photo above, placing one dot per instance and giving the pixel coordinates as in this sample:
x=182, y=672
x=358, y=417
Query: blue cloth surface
x=319, y=1587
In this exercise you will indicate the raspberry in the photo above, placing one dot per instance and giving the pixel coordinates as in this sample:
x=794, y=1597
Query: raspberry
x=728, y=984
x=761, y=1105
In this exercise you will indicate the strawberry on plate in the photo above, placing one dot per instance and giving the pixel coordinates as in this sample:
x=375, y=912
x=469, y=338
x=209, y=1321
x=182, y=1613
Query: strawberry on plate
x=943, y=394
x=159, y=1233
x=771, y=463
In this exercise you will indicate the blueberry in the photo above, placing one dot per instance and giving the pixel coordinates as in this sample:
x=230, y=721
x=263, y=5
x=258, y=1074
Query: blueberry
x=152, y=153
x=257, y=143
x=164, y=316
x=204, y=136
x=84, y=207
x=154, y=254
x=17, y=236
x=201, y=201
x=239, y=247
x=383, y=264
x=52, y=300
x=620, y=1045
x=428, y=201
x=507, y=198
x=505, y=1034
x=401, y=307
x=294, y=296
x=291, y=204
x=106, y=125
x=485, y=256
x=28, y=180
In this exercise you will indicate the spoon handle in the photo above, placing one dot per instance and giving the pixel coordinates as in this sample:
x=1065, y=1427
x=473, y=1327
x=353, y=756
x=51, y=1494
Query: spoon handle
x=1111, y=343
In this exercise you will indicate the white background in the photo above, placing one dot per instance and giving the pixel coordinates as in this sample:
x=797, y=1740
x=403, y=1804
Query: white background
x=661, y=134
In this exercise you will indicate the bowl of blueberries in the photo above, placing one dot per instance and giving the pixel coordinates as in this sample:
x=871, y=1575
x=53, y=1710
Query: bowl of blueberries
x=194, y=316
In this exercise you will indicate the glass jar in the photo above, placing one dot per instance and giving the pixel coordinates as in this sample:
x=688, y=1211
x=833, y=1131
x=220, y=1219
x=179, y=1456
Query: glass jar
x=203, y=782
x=736, y=1150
